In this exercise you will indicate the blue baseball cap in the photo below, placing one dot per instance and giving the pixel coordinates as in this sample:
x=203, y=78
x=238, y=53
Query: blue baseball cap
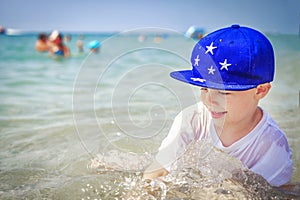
x=233, y=58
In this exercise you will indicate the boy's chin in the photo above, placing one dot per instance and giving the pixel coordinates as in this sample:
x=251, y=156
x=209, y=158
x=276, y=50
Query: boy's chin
x=219, y=123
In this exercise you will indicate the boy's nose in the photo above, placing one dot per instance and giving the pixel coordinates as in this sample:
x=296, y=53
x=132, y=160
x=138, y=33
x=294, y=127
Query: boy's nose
x=213, y=98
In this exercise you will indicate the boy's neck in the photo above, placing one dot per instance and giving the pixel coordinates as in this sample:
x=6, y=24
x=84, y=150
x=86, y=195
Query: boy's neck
x=230, y=133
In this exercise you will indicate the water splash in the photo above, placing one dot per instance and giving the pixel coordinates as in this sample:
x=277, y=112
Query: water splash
x=215, y=175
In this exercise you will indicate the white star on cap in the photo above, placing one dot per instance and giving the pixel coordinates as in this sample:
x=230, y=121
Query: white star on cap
x=211, y=70
x=198, y=79
x=210, y=48
x=197, y=61
x=225, y=65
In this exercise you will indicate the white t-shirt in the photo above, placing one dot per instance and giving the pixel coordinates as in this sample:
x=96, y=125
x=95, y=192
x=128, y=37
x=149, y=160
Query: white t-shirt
x=265, y=150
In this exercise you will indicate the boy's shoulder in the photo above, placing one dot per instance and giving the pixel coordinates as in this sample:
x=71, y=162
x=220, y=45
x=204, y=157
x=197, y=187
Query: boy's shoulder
x=270, y=130
x=270, y=122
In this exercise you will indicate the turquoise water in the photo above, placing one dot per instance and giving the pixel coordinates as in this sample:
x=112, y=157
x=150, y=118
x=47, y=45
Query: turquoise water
x=86, y=127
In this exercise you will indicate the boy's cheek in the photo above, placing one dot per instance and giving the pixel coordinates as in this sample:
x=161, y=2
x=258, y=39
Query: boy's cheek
x=202, y=97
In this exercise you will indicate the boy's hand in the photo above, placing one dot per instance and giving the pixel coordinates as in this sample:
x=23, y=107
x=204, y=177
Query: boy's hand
x=154, y=170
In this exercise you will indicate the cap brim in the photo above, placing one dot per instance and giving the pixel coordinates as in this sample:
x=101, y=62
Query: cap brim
x=187, y=77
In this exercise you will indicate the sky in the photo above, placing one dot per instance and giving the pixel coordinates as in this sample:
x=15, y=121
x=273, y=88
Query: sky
x=279, y=16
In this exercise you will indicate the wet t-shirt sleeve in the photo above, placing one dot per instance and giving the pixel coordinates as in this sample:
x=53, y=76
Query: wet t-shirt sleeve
x=189, y=125
x=275, y=163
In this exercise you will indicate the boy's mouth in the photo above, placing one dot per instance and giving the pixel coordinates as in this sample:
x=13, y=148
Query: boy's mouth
x=217, y=115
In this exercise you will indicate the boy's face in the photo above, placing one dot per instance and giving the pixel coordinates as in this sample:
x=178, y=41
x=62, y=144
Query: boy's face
x=230, y=107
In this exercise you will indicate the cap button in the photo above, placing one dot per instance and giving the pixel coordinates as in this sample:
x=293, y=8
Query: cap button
x=235, y=26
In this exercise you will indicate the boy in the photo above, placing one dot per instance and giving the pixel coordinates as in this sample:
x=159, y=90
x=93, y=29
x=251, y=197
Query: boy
x=234, y=67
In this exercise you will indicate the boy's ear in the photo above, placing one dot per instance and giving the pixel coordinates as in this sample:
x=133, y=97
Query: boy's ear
x=262, y=90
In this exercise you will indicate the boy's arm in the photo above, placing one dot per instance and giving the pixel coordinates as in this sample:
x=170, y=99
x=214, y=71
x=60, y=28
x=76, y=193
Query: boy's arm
x=154, y=170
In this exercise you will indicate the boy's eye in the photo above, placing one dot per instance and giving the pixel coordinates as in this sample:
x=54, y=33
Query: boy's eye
x=224, y=93
x=203, y=89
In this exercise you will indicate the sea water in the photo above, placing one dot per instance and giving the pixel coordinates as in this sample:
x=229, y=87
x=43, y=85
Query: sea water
x=87, y=126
